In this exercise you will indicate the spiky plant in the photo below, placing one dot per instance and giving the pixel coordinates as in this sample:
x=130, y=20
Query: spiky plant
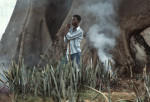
x=62, y=82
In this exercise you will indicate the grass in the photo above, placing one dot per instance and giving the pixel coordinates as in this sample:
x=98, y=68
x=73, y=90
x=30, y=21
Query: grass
x=60, y=83
x=145, y=79
x=87, y=96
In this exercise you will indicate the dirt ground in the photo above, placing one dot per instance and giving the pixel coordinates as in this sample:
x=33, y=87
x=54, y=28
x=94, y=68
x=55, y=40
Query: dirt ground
x=88, y=96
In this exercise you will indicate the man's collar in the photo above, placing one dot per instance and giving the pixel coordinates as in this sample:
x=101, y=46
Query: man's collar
x=77, y=28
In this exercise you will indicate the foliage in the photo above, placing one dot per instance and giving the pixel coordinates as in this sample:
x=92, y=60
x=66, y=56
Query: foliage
x=63, y=82
x=145, y=79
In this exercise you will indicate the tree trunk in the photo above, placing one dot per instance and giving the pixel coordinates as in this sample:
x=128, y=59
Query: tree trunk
x=34, y=24
x=31, y=30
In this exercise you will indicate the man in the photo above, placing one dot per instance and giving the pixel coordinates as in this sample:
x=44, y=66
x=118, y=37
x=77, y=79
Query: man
x=73, y=39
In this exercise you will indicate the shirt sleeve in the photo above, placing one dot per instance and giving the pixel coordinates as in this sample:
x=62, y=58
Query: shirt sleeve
x=75, y=35
x=65, y=40
x=65, y=37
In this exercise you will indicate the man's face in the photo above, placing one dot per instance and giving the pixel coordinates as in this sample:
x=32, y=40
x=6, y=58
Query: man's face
x=74, y=21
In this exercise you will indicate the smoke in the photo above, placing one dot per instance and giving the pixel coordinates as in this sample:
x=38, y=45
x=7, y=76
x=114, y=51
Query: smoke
x=102, y=34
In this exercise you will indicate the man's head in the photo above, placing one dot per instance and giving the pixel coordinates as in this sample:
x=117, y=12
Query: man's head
x=76, y=20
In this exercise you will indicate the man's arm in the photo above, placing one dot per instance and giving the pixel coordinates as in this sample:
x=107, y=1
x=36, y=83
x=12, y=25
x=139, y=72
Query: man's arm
x=74, y=36
x=65, y=39
x=68, y=30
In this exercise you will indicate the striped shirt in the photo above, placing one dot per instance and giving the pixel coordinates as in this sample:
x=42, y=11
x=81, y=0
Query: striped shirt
x=75, y=37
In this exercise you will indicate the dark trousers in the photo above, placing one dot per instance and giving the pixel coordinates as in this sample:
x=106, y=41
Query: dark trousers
x=76, y=57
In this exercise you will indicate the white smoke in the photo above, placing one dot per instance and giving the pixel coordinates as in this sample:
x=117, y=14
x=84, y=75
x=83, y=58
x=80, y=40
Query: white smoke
x=103, y=34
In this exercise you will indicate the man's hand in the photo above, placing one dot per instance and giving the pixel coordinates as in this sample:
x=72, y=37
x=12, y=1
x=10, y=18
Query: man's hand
x=67, y=29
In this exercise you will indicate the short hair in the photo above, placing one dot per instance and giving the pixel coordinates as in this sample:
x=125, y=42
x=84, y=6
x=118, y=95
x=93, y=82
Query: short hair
x=78, y=17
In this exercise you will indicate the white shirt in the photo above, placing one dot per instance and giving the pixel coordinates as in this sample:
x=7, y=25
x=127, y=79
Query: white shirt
x=75, y=38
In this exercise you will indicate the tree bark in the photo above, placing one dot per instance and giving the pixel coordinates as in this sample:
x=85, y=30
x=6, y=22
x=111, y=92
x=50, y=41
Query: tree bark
x=31, y=30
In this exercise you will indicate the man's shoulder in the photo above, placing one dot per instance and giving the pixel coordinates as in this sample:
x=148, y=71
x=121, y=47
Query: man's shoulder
x=80, y=29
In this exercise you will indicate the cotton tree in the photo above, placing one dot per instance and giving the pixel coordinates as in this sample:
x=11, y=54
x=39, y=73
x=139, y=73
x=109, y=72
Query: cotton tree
x=31, y=30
